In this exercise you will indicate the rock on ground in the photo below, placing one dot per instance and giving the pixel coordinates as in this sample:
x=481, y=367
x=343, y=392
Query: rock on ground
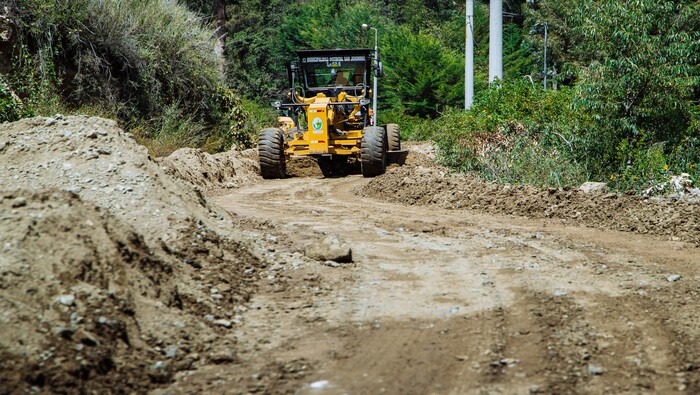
x=330, y=248
x=588, y=187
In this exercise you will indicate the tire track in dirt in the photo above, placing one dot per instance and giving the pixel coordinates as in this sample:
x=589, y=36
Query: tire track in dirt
x=453, y=302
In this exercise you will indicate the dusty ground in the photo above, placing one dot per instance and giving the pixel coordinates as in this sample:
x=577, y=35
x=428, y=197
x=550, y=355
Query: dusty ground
x=456, y=302
x=532, y=291
x=113, y=274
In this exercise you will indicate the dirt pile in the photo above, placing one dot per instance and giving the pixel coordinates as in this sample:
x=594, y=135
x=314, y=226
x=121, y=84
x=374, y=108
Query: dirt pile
x=420, y=185
x=421, y=153
x=225, y=170
x=303, y=166
x=215, y=174
x=113, y=274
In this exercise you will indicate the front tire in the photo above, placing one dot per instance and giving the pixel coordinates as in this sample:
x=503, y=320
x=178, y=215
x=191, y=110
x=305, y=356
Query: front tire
x=373, y=151
x=271, y=153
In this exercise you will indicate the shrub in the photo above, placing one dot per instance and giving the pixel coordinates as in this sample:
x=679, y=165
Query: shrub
x=164, y=51
x=11, y=106
x=244, y=134
x=412, y=127
x=151, y=63
x=518, y=133
x=515, y=133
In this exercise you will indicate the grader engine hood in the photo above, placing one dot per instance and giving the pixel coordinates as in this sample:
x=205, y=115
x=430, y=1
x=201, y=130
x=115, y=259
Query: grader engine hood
x=317, y=135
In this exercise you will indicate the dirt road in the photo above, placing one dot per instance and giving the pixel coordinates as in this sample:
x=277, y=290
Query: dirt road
x=120, y=274
x=451, y=302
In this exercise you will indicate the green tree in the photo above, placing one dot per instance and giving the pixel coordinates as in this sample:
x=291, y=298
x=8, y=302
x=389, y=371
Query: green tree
x=422, y=75
x=256, y=49
x=642, y=73
x=565, y=49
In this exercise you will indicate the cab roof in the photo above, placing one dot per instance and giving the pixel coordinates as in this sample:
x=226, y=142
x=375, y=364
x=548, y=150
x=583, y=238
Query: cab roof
x=366, y=52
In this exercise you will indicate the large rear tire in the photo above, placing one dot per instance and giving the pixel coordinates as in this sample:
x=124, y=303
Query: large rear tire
x=373, y=151
x=271, y=153
x=393, y=136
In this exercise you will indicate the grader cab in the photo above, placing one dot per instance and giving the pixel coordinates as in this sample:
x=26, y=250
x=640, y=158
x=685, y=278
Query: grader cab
x=327, y=115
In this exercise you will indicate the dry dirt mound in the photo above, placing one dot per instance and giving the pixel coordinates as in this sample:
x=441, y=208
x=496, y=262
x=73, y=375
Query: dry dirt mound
x=303, y=166
x=225, y=170
x=421, y=153
x=228, y=170
x=420, y=185
x=113, y=274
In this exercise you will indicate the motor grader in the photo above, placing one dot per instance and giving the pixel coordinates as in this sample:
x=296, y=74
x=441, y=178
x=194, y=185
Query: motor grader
x=327, y=115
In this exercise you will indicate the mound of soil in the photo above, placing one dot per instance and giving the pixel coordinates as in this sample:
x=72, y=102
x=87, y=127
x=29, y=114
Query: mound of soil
x=420, y=185
x=303, y=166
x=225, y=170
x=421, y=153
x=114, y=275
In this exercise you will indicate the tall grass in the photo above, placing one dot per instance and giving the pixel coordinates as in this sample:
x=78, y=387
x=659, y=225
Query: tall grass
x=165, y=51
x=152, y=64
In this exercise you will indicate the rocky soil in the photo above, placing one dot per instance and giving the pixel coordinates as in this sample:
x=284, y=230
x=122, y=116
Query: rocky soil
x=120, y=273
x=673, y=218
x=114, y=275
x=213, y=173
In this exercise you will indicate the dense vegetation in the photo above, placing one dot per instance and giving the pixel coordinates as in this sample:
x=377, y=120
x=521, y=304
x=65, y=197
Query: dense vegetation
x=149, y=63
x=623, y=103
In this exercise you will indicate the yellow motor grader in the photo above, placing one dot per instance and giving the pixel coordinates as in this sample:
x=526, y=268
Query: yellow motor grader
x=327, y=115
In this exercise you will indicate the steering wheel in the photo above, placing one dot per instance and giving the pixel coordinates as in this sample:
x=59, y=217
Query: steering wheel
x=360, y=85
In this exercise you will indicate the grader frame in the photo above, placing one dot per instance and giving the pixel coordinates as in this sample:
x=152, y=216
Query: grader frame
x=327, y=115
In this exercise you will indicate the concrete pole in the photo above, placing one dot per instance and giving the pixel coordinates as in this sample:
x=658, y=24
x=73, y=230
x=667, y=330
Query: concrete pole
x=545, y=56
x=469, y=57
x=496, y=40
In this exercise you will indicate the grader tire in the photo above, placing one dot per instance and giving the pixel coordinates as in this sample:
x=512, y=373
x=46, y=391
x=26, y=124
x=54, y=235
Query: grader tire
x=373, y=151
x=393, y=137
x=271, y=153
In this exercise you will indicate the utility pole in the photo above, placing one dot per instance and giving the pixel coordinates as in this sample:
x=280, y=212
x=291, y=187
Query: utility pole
x=545, y=55
x=469, y=56
x=496, y=40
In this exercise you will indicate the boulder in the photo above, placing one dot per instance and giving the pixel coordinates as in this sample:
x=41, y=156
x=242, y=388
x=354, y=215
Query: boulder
x=599, y=187
x=330, y=248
